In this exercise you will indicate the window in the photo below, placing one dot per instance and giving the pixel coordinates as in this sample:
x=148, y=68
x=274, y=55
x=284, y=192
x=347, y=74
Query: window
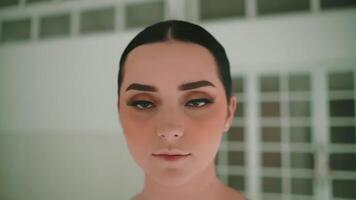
x=330, y=4
x=144, y=14
x=7, y=3
x=211, y=9
x=281, y=6
x=52, y=26
x=99, y=20
x=16, y=30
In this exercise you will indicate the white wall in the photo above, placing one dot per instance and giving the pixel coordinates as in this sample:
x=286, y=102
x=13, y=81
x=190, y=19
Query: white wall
x=59, y=132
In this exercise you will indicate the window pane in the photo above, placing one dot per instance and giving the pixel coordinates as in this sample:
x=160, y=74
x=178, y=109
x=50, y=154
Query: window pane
x=344, y=189
x=237, y=85
x=97, y=20
x=16, y=30
x=271, y=134
x=341, y=81
x=144, y=14
x=327, y=4
x=269, y=84
x=281, y=6
x=5, y=3
x=342, y=108
x=35, y=1
x=270, y=109
x=271, y=185
x=343, y=161
x=300, y=134
x=236, y=158
x=299, y=108
x=271, y=159
x=302, y=160
x=302, y=186
x=54, y=26
x=343, y=134
x=236, y=134
x=212, y=9
x=299, y=83
x=239, y=109
x=237, y=182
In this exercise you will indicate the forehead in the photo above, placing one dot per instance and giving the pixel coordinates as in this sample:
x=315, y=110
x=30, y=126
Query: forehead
x=172, y=61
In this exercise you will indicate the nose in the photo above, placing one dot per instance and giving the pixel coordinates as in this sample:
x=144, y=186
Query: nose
x=170, y=132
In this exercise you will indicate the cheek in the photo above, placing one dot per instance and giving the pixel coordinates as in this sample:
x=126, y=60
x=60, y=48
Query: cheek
x=137, y=129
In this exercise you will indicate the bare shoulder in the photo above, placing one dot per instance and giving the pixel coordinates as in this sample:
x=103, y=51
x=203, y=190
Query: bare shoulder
x=232, y=194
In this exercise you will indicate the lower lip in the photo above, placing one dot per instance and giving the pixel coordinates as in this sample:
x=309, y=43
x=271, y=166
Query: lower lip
x=172, y=157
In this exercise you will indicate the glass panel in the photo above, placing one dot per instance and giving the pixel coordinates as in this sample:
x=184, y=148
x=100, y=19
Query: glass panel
x=5, y=3
x=144, y=14
x=55, y=26
x=35, y=1
x=271, y=134
x=239, y=109
x=343, y=161
x=299, y=83
x=341, y=81
x=270, y=159
x=281, y=6
x=343, y=134
x=300, y=134
x=270, y=109
x=344, y=189
x=236, y=158
x=327, y=4
x=97, y=20
x=342, y=108
x=212, y=9
x=269, y=84
x=237, y=85
x=236, y=134
x=271, y=185
x=302, y=186
x=299, y=108
x=16, y=30
x=237, y=182
x=302, y=160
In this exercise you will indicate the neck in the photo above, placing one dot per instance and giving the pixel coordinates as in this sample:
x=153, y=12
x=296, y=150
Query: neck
x=200, y=186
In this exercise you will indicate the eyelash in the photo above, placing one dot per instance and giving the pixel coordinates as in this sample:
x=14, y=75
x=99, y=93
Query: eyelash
x=204, y=100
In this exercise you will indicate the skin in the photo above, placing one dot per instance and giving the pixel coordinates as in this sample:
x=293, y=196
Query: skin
x=170, y=119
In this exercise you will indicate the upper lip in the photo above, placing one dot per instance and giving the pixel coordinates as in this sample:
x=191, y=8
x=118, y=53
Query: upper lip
x=170, y=152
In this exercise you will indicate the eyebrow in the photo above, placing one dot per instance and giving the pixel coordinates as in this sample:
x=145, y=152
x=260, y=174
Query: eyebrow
x=185, y=86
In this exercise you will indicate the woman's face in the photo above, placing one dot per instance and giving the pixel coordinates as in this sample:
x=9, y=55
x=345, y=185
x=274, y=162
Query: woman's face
x=172, y=102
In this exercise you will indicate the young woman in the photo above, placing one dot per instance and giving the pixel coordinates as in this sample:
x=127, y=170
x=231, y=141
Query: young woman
x=175, y=104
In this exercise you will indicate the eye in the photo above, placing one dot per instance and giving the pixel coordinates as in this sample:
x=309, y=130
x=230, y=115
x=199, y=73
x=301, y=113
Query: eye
x=142, y=105
x=199, y=102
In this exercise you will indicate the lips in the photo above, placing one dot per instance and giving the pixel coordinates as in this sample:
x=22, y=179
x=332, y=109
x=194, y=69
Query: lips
x=171, y=155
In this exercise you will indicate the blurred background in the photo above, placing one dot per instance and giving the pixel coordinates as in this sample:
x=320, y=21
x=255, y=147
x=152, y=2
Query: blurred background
x=293, y=64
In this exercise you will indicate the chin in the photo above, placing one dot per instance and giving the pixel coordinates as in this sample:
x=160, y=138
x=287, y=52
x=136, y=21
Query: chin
x=171, y=177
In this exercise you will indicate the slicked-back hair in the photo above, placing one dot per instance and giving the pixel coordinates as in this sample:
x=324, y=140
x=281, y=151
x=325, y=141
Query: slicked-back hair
x=178, y=30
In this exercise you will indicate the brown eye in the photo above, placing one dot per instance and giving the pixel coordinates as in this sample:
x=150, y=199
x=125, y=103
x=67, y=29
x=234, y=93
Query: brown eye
x=199, y=102
x=142, y=105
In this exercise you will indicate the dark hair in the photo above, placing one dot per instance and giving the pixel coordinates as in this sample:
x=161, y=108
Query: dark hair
x=181, y=31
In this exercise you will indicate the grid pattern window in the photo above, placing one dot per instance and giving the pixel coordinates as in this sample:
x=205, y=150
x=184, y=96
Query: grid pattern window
x=16, y=30
x=287, y=158
x=99, y=20
x=211, y=9
x=54, y=26
x=281, y=6
x=342, y=135
x=331, y=4
x=231, y=159
x=142, y=14
x=7, y=3
x=36, y=1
